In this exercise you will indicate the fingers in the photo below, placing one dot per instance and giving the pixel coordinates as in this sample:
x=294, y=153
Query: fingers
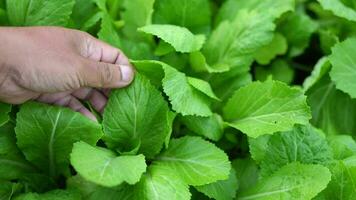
x=66, y=100
x=97, y=99
x=105, y=75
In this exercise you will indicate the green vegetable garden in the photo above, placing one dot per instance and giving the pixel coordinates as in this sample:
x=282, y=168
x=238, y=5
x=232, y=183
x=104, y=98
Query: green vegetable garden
x=232, y=99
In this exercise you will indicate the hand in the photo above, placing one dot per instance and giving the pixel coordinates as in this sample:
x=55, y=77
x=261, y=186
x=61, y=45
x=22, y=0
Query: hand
x=59, y=66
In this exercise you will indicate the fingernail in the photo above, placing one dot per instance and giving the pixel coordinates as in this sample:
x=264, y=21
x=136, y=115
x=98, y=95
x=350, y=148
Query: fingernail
x=126, y=73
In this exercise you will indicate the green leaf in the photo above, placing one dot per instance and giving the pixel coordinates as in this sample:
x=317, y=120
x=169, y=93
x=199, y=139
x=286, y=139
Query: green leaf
x=137, y=114
x=278, y=46
x=221, y=190
x=247, y=173
x=343, y=146
x=4, y=113
x=269, y=8
x=198, y=162
x=303, y=27
x=343, y=68
x=46, y=134
x=233, y=44
x=192, y=14
x=13, y=164
x=294, y=181
x=338, y=8
x=210, y=127
x=333, y=111
x=137, y=13
x=179, y=37
x=343, y=181
x=39, y=12
x=258, y=146
x=160, y=183
x=52, y=195
x=265, y=108
x=185, y=98
x=303, y=144
x=83, y=11
x=104, y=167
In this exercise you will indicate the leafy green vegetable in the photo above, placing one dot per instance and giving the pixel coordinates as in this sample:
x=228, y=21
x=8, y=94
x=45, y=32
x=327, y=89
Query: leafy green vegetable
x=136, y=117
x=271, y=107
x=344, y=66
x=103, y=167
x=46, y=134
x=180, y=38
x=198, y=162
x=232, y=99
x=293, y=181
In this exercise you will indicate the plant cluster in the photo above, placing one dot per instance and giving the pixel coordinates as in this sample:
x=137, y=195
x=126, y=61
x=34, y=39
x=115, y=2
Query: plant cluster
x=233, y=99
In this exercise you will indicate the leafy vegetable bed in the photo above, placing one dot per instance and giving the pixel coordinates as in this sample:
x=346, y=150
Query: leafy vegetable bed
x=227, y=104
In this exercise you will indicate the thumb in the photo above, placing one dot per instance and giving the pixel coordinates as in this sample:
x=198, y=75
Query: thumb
x=105, y=75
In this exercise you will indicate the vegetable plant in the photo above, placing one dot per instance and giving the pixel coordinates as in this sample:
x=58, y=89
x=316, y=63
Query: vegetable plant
x=233, y=99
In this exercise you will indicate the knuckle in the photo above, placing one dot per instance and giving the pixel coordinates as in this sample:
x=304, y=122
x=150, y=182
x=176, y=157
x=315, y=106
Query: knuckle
x=106, y=74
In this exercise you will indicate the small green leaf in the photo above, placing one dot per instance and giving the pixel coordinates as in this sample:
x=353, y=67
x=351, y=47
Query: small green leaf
x=104, y=167
x=179, y=37
x=196, y=161
x=265, y=108
x=221, y=190
x=210, y=127
x=278, y=46
x=203, y=87
x=294, y=181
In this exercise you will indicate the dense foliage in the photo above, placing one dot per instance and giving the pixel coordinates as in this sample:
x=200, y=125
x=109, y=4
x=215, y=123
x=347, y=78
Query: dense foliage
x=227, y=104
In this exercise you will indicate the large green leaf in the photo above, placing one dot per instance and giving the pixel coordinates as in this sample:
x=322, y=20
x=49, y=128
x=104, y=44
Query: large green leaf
x=294, y=181
x=338, y=8
x=179, y=37
x=136, y=117
x=104, y=167
x=39, y=12
x=221, y=190
x=333, y=111
x=343, y=69
x=192, y=14
x=4, y=113
x=13, y=164
x=161, y=184
x=46, y=134
x=196, y=161
x=265, y=108
x=303, y=144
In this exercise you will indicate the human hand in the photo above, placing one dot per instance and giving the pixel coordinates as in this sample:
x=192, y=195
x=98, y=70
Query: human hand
x=59, y=66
